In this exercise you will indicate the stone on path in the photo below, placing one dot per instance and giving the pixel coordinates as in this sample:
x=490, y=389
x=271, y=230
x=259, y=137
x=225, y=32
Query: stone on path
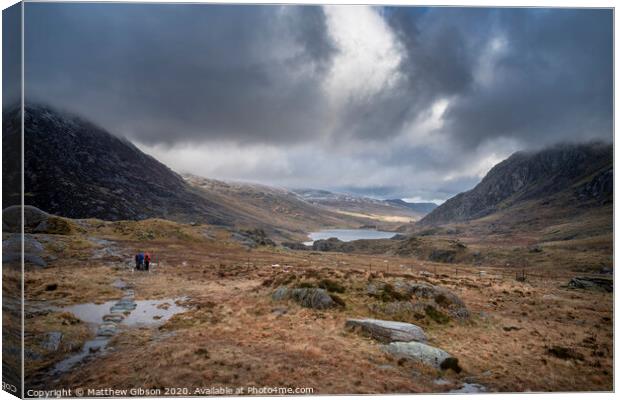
x=115, y=317
x=107, y=329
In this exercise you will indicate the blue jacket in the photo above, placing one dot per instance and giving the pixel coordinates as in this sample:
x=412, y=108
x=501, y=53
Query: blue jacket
x=141, y=258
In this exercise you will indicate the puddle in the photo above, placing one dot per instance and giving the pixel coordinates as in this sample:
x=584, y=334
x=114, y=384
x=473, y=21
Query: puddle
x=108, y=318
x=141, y=312
x=90, y=313
x=153, y=312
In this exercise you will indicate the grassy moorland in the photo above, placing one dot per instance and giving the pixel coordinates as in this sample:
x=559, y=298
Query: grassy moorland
x=532, y=335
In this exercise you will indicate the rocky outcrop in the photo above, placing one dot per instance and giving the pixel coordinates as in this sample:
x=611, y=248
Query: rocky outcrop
x=424, y=299
x=306, y=297
x=589, y=283
x=331, y=244
x=424, y=353
x=387, y=331
x=441, y=297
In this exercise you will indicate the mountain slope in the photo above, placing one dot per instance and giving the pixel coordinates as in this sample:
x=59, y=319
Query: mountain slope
x=580, y=175
x=267, y=206
x=76, y=169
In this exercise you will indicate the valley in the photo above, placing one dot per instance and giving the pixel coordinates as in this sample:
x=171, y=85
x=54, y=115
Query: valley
x=536, y=334
x=507, y=287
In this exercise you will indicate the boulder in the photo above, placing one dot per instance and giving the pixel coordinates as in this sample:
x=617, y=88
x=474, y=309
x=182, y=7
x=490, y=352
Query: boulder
x=588, y=283
x=13, y=244
x=306, y=297
x=12, y=218
x=33, y=249
x=424, y=353
x=388, y=331
x=442, y=297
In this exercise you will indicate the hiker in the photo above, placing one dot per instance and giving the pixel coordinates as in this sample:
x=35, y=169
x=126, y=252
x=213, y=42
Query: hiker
x=137, y=258
x=140, y=261
x=147, y=261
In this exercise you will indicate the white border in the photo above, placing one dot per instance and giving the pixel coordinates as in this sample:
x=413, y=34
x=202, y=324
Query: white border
x=468, y=3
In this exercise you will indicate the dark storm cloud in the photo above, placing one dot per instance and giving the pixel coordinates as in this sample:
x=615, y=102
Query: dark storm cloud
x=551, y=74
x=269, y=79
x=170, y=73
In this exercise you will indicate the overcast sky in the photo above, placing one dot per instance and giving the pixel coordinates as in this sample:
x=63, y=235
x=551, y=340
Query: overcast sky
x=413, y=103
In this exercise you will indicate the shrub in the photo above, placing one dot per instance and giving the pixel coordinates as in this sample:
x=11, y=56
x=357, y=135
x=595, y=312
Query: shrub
x=436, y=315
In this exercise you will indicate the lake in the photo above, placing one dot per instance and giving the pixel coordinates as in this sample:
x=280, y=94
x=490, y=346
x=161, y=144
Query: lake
x=347, y=235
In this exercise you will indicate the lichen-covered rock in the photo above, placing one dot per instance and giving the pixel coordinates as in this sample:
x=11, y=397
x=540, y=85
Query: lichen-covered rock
x=424, y=353
x=388, y=331
x=280, y=293
x=306, y=297
x=442, y=297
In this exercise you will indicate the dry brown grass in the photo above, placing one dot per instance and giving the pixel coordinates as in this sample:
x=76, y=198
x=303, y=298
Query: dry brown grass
x=230, y=336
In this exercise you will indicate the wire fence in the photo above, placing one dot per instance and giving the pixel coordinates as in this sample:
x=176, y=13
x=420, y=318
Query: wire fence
x=394, y=267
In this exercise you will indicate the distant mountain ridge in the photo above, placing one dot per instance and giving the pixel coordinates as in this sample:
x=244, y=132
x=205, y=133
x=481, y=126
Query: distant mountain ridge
x=580, y=173
x=423, y=208
x=361, y=204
